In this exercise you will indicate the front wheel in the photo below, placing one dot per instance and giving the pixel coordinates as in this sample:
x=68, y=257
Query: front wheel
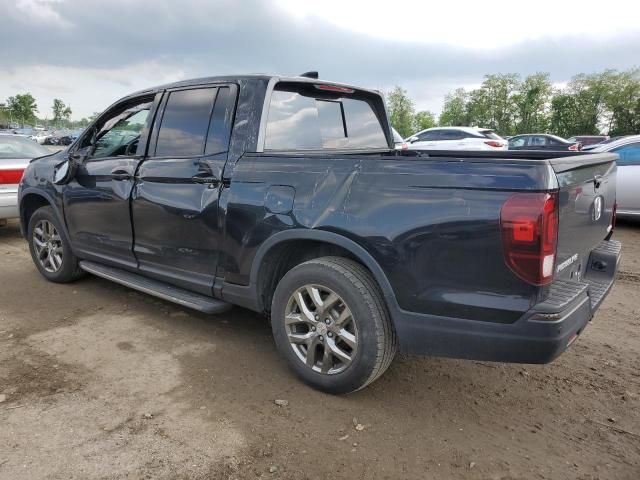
x=330, y=323
x=49, y=248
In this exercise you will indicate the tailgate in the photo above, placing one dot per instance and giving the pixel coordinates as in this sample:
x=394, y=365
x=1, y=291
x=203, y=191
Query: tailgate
x=586, y=201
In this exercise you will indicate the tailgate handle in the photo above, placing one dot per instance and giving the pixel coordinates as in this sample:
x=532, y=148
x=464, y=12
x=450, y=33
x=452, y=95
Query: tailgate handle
x=597, y=181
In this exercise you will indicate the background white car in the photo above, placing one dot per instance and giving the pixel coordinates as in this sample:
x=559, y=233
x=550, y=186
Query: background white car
x=456, y=138
x=15, y=153
x=397, y=140
x=628, y=176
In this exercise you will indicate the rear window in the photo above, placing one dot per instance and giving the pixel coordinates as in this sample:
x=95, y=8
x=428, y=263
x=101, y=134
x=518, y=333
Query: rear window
x=490, y=134
x=20, y=147
x=303, y=118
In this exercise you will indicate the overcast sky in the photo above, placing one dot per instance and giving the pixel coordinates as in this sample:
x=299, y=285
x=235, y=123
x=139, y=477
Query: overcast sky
x=90, y=53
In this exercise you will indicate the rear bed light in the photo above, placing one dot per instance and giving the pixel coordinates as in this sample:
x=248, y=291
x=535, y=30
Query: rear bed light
x=494, y=143
x=334, y=88
x=10, y=177
x=529, y=227
x=613, y=215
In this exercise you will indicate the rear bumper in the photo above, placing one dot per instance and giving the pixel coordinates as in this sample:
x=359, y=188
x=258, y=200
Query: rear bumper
x=8, y=205
x=539, y=336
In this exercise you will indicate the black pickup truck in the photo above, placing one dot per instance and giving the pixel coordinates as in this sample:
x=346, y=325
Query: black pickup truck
x=284, y=195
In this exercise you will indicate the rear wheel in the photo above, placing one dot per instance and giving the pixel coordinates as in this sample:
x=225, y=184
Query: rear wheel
x=330, y=323
x=49, y=248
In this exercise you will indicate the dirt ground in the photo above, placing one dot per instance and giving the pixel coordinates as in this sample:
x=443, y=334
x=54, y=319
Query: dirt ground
x=97, y=381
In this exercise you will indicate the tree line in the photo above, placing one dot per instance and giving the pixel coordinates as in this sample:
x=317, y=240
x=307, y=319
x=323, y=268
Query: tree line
x=607, y=102
x=21, y=110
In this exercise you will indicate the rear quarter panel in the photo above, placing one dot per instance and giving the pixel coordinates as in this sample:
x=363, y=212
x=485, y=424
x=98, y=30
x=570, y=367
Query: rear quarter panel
x=432, y=225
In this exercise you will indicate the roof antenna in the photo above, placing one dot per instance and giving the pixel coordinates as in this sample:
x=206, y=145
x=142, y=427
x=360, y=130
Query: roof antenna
x=310, y=75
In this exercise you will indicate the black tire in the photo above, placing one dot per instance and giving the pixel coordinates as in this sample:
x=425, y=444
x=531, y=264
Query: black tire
x=358, y=291
x=68, y=270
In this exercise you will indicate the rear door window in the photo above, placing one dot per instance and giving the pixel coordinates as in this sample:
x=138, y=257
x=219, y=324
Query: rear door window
x=429, y=136
x=185, y=123
x=303, y=118
x=537, y=141
x=451, y=135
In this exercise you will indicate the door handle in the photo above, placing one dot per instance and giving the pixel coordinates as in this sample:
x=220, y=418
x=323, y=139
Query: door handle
x=205, y=180
x=120, y=175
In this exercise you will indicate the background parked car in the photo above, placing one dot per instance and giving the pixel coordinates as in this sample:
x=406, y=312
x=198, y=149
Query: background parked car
x=604, y=142
x=397, y=140
x=456, y=138
x=628, y=177
x=585, y=140
x=15, y=153
x=541, y=141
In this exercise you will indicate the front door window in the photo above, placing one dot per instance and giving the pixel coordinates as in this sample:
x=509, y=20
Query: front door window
x=118, y=133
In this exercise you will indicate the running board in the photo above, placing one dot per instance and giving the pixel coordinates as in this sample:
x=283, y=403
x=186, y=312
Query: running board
x=156, y=288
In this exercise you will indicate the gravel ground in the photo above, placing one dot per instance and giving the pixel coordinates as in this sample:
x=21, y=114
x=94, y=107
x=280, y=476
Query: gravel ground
x=97, y=381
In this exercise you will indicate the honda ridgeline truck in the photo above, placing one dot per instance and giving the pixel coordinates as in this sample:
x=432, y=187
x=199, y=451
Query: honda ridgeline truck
x=285, y=195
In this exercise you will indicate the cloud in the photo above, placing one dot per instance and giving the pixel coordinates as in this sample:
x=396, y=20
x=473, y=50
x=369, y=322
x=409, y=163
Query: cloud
x=90, y=53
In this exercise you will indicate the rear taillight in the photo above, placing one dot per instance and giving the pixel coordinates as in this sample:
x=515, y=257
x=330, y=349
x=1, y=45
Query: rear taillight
x=10, y=177
x=529, y=225
x=494, y=143
x=575, y=147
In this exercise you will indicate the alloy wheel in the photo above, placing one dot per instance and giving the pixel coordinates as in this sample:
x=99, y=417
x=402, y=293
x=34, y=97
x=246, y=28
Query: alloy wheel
x=321, y=329
x=48, y=246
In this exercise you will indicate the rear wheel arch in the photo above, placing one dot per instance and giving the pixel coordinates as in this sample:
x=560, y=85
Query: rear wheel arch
x=285, y=250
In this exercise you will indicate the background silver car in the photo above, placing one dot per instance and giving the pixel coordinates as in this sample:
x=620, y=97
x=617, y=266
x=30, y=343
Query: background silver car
x=16, y=152
x=628, y=178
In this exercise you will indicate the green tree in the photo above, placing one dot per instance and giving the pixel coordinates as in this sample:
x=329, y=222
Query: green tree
x=492, y=105
x=4, y=115
x=60, y=111
x=623, y=103
x=532, y=104
x=423, y=120
x=564, y=113
x=401, y=111
x=22, y=108
x=454, y=110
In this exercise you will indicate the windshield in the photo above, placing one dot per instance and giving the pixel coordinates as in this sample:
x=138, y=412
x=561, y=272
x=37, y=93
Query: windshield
x=302, y=117
x=20, y=147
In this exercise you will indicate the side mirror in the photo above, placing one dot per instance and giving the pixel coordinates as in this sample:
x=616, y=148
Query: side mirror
x=412, y=139
x=65, y=171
